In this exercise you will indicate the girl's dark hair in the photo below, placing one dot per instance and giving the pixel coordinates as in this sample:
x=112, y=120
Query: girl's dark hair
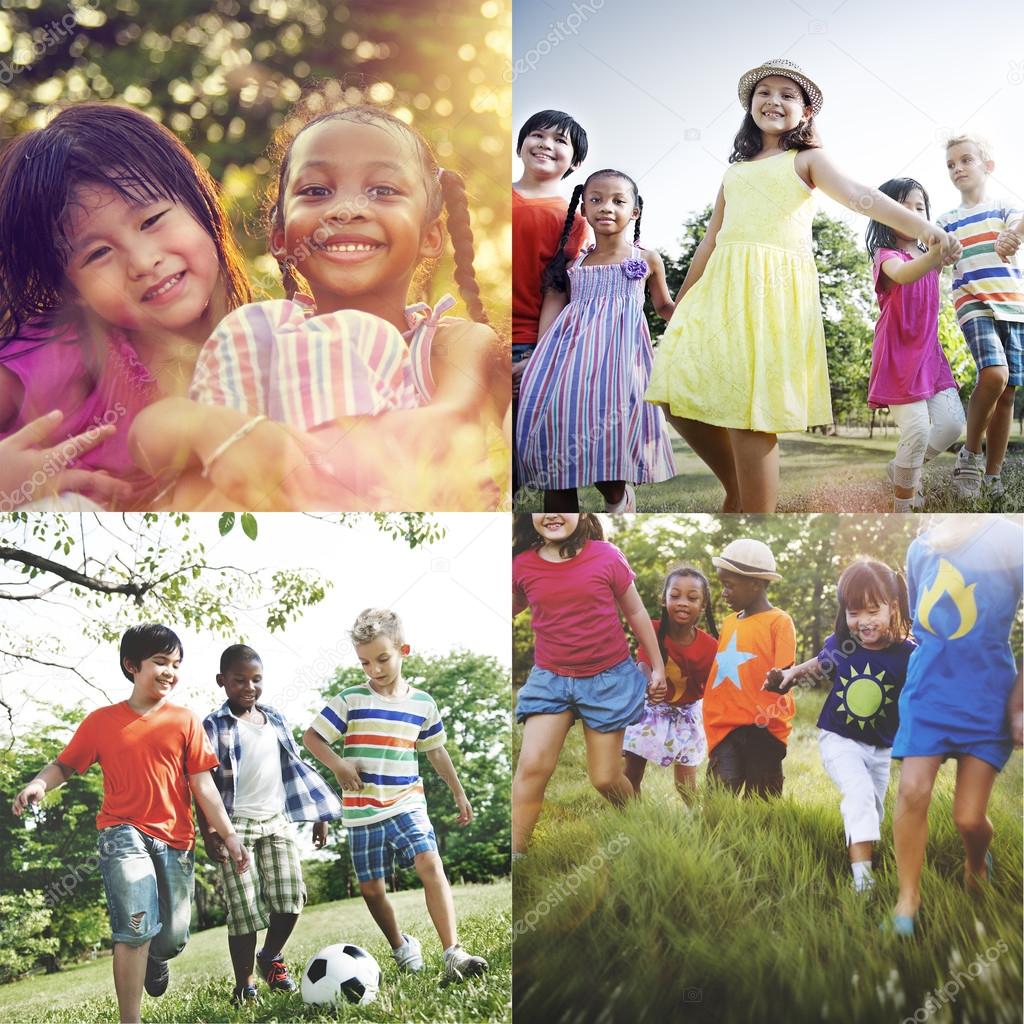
x=142, y=642
x=867, y=582
x=749, y=139
x=560, y=121
x=235, y=654
x=556, y=277
x=446, y=190
x=709, y=615
x=526, y=538
x=41, y=172
x=881, y=236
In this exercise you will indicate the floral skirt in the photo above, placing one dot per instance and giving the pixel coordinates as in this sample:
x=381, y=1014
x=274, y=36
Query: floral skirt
x=668, y=734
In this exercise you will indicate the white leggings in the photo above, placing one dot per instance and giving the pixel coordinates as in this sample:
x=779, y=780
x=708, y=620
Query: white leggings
x=926, y=428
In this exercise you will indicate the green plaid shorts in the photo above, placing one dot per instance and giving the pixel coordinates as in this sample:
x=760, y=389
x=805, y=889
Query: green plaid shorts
x=273, y=883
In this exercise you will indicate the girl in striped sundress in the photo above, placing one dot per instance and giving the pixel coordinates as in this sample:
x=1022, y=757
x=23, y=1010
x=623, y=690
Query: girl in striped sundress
x=582, y=416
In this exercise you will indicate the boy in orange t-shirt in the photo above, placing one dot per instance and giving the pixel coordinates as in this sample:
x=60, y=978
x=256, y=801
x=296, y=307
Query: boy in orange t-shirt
x=155, y=757
x=747, y=726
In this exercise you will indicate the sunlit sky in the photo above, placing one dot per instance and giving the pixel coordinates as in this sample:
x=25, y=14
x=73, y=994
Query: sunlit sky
x=654, y=85
x=453, y=593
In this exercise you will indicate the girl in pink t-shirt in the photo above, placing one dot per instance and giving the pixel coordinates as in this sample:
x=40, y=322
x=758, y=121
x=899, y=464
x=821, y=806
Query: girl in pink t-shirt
x=575, y=584
x=909, y=371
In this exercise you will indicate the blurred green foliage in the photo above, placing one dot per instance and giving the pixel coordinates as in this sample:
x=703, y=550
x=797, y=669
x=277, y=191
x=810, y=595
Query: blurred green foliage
x=223, y=74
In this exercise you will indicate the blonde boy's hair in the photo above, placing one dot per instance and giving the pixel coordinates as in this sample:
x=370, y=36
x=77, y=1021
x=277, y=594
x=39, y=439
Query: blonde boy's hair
x=984, y=147
x=374, y=622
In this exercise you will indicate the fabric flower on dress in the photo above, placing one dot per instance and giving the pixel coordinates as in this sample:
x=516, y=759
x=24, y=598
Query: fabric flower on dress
x=634, y=269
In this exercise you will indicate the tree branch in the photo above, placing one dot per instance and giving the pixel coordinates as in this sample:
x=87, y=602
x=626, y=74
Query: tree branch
x=66, y=668
x=135, y=590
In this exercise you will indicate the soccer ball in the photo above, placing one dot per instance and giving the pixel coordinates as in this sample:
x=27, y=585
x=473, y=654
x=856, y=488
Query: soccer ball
x=340, y=971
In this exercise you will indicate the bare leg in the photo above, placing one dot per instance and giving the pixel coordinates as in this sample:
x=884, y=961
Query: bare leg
x=543, y=737
x=634, y=767
x=757, y=469
x=991, y=384
x=686, y=781
x=974, y=781
x=604, y=765
x=562, y=501
x=280, y=929
x=129, y=975
x=438, y=895
x=243, y=956
x=861, y=851
x=613, y=491
x=375, y=894
x=713, y=447
x=910, y=828
x=997, y=433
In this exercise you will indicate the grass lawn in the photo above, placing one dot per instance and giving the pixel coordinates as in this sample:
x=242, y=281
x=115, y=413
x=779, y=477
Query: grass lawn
x=818, y=474
x=201, y=979
x=742, y=910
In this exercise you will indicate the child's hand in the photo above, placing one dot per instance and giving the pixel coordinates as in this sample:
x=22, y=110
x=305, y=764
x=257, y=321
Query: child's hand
x=347, y=776
x=465, y=809
x=656, y=691
x=779, y=680
x=239, y=854
x=31, y=794
x=320, y=834
x=1007, y=244
x=215, y=848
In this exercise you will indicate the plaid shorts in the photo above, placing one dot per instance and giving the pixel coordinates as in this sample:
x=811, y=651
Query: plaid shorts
x=997, y=343
x=375, y=847
x=273, y=883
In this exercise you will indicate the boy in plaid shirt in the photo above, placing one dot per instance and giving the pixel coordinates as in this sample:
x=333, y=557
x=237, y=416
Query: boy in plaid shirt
x=265, y=786
x=385, y=721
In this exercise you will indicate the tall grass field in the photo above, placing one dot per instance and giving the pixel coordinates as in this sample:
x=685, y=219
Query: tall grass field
x=743, y=911
x=201, y=978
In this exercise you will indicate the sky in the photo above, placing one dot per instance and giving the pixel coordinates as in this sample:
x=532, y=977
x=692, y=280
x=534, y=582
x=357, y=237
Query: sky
x=654, y=85
x=455, y=592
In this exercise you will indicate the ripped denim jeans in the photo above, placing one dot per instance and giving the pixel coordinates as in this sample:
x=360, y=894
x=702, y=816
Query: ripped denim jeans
x=149, y=889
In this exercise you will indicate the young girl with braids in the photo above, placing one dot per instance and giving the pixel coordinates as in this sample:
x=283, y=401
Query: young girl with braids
x=582, y=418
x=671, y=731
x=351, y=368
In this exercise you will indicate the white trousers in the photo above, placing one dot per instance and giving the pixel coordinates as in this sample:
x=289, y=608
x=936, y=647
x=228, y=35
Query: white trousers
x=931, y=424
x=861, y=771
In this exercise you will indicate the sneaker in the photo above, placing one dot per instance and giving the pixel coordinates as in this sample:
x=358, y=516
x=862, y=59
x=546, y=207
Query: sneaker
x=864, y=885
x=459, y=964
x=994, y=488
x=967, y=477
x=626, y=504
x=409, y=955
x=276, y=973
x=244, y=994
x=158, y=974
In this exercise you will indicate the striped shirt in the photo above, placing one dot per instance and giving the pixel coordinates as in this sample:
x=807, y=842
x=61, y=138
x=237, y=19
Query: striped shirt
x=382, y=734
x=983, y=285
x=280, y=360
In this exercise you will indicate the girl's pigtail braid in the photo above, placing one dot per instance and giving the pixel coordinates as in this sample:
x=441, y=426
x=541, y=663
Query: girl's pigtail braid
x=555, y=277
x=640, y=207
x=288, y=279
x=709, y=615
x=453, y=188
x=662, y=630
x=904, y=604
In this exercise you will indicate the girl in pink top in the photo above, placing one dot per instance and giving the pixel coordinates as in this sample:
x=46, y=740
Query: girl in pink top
x=575, y=584
x=909, y=371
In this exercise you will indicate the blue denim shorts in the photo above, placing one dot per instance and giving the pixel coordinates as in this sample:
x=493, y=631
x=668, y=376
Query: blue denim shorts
x=997, y=343
x=375, y=847
x=149, y=889
x=607, y=702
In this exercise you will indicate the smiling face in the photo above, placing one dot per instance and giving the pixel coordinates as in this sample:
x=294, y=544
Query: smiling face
x=967, y=168
x=777, y=105
x=154, y=677
x=546, y=153
x=870, y=626
x=555, y=527
x=150, y=266
x=684, y=600
x=609, y=205
x=243, y=684
x=381, y=659
x=354, y=213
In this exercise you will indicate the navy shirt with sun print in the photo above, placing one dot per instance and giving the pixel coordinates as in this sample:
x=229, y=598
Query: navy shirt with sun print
x=862, y=704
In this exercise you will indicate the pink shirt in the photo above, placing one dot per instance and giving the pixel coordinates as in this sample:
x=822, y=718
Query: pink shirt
x=907, y=361
x=573, y=606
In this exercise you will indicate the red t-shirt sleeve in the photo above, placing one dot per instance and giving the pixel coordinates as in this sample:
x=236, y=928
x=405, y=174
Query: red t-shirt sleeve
x=199, y=755
x=620, y=574
x=81, y=752
x=577, y=236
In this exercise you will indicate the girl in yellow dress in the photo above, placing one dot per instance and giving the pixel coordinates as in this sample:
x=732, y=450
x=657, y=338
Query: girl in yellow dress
x=743, y=357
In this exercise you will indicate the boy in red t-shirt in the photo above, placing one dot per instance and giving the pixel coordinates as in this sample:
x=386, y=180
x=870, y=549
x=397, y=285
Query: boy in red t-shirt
x=155, y=757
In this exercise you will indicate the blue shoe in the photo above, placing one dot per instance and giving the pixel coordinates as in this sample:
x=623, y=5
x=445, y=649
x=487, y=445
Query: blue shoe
x=899, y=924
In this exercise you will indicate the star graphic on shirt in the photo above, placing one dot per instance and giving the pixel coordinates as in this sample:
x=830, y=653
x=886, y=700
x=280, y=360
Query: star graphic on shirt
x=729, y=661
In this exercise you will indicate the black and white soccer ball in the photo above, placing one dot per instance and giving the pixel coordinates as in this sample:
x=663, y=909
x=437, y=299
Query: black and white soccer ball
x=341, y=971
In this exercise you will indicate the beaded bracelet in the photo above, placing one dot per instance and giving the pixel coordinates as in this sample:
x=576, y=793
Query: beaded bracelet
x=237, y=436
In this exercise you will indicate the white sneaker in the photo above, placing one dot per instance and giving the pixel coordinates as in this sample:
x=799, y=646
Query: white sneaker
x=409, y=955
x=967, y=477
x=994, y=489
x=458, y=964
x=626, y=504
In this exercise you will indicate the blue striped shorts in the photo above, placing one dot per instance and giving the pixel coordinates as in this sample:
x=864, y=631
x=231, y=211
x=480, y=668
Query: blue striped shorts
x=375, y=847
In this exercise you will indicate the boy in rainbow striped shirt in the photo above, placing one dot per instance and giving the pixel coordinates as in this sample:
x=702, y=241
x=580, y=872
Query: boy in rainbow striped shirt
x=988, y=294
x=385, y=723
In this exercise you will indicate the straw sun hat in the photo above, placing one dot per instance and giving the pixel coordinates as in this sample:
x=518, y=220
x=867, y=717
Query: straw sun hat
x=787, y=69
x=747, y=557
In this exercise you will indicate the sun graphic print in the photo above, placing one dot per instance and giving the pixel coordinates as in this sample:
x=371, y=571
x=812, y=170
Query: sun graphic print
x=862, y=696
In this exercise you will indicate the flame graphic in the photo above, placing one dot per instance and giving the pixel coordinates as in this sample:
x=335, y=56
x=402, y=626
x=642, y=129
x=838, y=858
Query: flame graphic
x=948, y=580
